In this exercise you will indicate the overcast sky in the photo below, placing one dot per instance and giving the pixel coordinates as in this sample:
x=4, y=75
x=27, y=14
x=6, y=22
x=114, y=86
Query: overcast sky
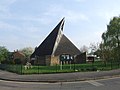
x=26, y=23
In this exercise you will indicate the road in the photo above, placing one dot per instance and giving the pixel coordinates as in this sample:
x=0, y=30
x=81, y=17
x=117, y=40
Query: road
x=104, y=84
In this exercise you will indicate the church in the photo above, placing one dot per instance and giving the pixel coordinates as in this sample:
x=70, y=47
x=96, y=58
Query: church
x=57, y=49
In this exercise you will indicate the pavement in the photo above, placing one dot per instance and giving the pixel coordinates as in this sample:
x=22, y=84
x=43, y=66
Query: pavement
x=59, y=77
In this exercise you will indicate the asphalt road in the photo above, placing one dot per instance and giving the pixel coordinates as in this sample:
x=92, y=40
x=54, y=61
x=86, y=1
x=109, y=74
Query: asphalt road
x=104, y=84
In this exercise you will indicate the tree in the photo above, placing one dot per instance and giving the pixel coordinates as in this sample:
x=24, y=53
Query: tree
x=84, y=49
x=93, y=48
x=27, y=51
x=3, y=53
x=111, y=40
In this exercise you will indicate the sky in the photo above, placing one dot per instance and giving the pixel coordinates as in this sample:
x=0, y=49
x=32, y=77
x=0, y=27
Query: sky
x=26, y=23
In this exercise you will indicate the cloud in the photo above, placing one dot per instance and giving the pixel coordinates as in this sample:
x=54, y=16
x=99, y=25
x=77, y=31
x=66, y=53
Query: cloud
x=80, y=0
x=5, y=13
x=75, y=16
x=4, y=4
x=7, y=26
x=54, y=11
x=71, y=16
x=99, y=33
x=109, y=13
x=28, y=28
x=29, y=31
x=17, y=37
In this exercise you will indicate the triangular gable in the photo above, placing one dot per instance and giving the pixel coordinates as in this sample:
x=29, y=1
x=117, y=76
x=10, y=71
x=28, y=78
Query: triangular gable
x=47, y=46
x=65, y=46
x=56, y=43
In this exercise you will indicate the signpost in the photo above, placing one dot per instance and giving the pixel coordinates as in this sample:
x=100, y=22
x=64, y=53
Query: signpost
x=64, y=58
x=60, y=65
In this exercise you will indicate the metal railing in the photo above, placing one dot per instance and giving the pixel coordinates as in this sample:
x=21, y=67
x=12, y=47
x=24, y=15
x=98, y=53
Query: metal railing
x=37, y=69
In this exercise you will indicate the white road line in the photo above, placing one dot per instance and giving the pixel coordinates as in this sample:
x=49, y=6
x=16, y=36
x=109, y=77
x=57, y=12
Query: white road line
x=95, y=83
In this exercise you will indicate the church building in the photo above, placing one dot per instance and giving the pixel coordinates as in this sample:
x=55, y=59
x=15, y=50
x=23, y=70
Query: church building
x=57, y=49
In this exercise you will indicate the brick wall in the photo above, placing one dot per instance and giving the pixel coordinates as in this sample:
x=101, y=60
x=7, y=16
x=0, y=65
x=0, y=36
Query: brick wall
x=54, y=60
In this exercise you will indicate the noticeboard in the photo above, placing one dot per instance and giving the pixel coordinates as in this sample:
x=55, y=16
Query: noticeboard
x=66, y=57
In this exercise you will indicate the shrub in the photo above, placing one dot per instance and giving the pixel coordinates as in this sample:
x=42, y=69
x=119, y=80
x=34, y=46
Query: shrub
x=17, y=61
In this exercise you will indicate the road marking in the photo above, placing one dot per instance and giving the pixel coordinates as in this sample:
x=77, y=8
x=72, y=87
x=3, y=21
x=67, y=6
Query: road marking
x=95, y=83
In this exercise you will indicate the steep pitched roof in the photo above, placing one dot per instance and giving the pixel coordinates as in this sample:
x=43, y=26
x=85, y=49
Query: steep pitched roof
x=65, y=46
x=56, y=43
x=47, y=46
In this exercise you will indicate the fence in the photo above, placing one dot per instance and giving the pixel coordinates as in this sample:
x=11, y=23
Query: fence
x=96, y=66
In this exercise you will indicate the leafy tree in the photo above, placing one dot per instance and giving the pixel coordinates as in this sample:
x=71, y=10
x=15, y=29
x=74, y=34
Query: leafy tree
x=3, y=53
x=27, y=51
x=84, y=49
x=111, y=40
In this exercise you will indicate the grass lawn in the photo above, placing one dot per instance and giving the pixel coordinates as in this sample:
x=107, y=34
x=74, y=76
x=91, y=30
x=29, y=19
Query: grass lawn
x=98, y=65
x=72, y=68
